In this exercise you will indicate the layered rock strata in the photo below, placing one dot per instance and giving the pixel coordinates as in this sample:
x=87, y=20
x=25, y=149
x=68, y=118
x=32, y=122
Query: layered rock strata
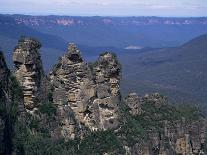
x=107, y=77
x=29, y=72
x=92, y=92
x=73, y=87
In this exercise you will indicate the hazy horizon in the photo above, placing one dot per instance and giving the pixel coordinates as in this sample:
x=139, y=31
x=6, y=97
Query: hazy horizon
x=116, y=8
x=113, y=16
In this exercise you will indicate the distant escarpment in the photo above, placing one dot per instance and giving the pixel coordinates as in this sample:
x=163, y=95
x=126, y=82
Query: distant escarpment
x=78, y=109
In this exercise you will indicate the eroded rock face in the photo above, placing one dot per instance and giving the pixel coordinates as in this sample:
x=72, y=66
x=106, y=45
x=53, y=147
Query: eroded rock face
x=73, y=87
x=187, y=138
x=133, y=101
x=29, y=72
x=92, y=93
x=156, y=99
x=107, y=77
x=180, y=137
x=177, y=140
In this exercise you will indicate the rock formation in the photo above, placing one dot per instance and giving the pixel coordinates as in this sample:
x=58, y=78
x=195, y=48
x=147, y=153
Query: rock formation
x=156, y=99
x=107, y=77
x=29, y=72
x=133, y=101
x=86, y=97
x=92, y=93
x=179, y=137
x=73, y=89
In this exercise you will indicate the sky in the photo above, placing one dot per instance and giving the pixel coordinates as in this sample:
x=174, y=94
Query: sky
x=176, y=8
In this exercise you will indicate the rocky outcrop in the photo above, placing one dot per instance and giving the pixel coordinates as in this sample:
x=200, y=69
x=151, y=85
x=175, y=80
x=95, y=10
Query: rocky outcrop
x=91, y=92
x=29, y=72
x=73, y=90
x=186, y=138
x=156, y=99
x=175, y=137
x=133, y=102
x=107, y=77
x=85, y=97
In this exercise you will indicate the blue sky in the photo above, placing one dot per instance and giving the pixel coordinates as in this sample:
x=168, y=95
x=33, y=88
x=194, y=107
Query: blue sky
x=106, y=7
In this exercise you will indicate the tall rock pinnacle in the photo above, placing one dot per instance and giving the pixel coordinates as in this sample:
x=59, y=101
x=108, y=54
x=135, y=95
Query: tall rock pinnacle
x=29, y=72
x=92, y=93
x=107, y=72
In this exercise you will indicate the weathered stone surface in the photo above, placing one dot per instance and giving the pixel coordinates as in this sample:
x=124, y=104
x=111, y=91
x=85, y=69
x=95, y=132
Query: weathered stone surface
x=73, y=87
x=156, y=99
x=107, y=77
x=92, y=93
x=180, y=137
x=67, y=125
x=133, y=101
x=29, y=72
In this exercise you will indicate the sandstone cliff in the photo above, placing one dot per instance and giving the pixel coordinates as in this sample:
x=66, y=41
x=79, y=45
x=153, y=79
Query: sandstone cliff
x=29, y=72
x=92, y=93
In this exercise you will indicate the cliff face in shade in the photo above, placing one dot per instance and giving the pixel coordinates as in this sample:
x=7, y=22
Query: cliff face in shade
x=4, y=78
x=29, y=72
x=4, y=72
x=11, y=107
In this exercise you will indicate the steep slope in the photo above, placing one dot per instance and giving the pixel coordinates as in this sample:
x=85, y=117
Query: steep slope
x=177, y=72
x=11, y=107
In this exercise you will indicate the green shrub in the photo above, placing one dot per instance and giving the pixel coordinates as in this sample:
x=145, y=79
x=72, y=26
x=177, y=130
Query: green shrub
x=48, y=108
x=100, y=142
x=16, y=98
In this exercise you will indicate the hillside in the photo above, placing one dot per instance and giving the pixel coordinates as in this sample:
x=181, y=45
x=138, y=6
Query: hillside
x=78, y=109
x=119, y=32
x=177, y=72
